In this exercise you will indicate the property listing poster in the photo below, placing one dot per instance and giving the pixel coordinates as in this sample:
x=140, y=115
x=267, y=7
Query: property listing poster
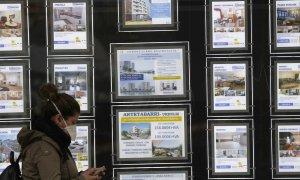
x=228, y=24
x=80, y=148
x=152, y=134
x=229, y=87
x=11, y=89
x=288, y=153
x=154, y=176
x=11, y=27
x=230, y=149
x=69, y=26
x=150, y=72
x=148, y=12
x=288, y=86
x=72, y=79
x=8, y=142
x=288, y=23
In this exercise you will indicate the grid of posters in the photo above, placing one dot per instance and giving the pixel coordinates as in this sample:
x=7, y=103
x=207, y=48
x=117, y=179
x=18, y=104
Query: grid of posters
x=11, y=27
x=228, y=24
x=150, y=72
x=72, y=79
x=69, y=26
x=154, y=176
x=80, y=148
x=151, y=134
x=230, y=149
x=147, y=12
x=287, y=23
x=288, y=86
x=8, y=142
x=229, y=86
x=11, y=89
x=288, y=150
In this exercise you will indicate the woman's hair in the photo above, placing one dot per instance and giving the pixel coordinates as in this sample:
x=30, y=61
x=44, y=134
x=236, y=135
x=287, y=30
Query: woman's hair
x=66, y=105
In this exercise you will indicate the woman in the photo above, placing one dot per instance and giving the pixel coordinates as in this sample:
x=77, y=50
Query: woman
x=45, y=153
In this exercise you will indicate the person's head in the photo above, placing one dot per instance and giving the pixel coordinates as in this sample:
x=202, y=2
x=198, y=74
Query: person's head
x=59, y=108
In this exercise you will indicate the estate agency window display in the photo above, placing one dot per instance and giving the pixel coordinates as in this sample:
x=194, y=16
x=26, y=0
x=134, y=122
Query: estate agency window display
x=154, y=133
x=14, y=33
x=147, y=15
x=230, y=148
x=69, y=28
x=143, y=72
x=14, y=89
x=285, y=86
x=228, y=26
x=229, y=86
x=285, y=149
x=153, y=173
x=75, y=76
x=83, y=148
x=8, y=140
x=284, y=26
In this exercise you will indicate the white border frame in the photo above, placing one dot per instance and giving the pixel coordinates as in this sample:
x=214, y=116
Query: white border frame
x=140, y=100
x=208, y=130
x=235, y=113
x=189, y=149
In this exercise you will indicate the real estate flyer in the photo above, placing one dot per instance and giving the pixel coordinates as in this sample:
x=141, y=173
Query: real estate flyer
x=229, y=86
x=230, y=149
x=11, y=27
x=8, y=142
x=147, y=12
x=80, y=148
x=287, y=23
x=228, y=24
x=288, y=86
x=72, y=79
x=154, y=176
x=152, y=134
x=288, y=150
x=150, y=72
x=11, y=89
x=69, y=26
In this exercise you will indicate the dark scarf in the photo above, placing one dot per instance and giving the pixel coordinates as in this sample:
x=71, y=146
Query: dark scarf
x=55, y=133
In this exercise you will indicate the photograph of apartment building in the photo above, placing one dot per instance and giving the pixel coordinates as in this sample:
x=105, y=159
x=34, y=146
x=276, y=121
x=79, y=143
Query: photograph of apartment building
x=137, y=12
x=134, y=131
x=167, y=148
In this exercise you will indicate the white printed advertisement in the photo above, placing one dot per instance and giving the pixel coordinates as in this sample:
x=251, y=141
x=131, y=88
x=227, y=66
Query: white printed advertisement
x=288, y=86
x=11, y=89
x=229, y=87
x=11, y=27
x=230, y=149
x=287, y=23
x=150, y=72
x=147, y=12
x=288, y=153
x=8, y=142
x=228, y=24
x=69, y=26
x=80, y=148
x=152, y=134
x=72, y=79
x=154, y=176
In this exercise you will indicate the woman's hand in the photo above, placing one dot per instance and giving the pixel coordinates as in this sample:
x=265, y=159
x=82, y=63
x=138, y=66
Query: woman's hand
x=90, y=174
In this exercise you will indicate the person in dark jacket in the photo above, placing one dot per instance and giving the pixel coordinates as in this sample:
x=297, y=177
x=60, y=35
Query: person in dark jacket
x=50, y=158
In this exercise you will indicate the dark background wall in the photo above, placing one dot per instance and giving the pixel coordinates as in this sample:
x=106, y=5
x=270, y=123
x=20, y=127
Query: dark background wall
x=192, y=29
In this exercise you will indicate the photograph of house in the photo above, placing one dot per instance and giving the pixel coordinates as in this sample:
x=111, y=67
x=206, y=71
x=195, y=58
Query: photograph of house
x=229, y=19
x=69, y=18
x=289, y=82
x=11, y=23
x=134, y=131
x=288, y=20
x=231, y=145
x=230, y=83
x=167, y=148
